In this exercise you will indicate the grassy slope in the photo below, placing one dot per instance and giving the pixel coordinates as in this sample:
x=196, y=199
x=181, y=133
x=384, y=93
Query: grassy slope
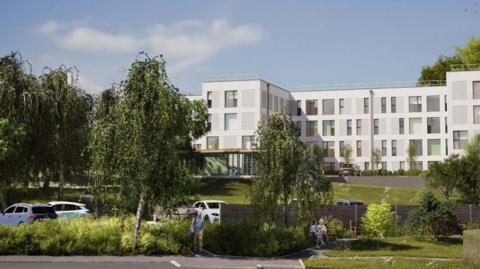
x=451, y=248
x=396, y=263
x=236, y=191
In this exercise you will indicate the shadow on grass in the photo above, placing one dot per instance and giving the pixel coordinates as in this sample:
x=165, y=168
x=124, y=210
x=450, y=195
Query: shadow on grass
x=219, y=186
x=371, y=245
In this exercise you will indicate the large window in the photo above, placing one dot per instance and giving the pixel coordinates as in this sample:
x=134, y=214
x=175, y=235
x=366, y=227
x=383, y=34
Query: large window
x=433, y=103
x=415, y=125
x=341, y=106
x=384, y=147
x=476, y=90
x=299, y=108
x=231, y=99
x=415, y=104
x=328, y=127
x=460, y=139
x=401, y=126
x=349, y=127
x=312, y=128
x=433, y=125
x=365, y=105
x=341, y=145
x=328, y=106
x=359, y=127
x=476, y=114
x=394, y=147
x=247, y=141
x=328, y=149
x=209, y=99
x=359, y=148
x=433, y=147
x=212, y=142
x=312, y=107
x=375, y=126
x=393, y=104
x=230, y=121
x=418, y=146
x=384, y=104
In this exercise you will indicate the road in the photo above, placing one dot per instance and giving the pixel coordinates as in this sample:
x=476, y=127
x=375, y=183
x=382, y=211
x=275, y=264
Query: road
x=142, y=262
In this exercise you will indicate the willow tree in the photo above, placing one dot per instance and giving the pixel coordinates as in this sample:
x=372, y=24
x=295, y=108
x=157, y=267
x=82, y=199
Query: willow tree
x=287, y=171
x=147, y=146
x=21, y=106
x=69, y=109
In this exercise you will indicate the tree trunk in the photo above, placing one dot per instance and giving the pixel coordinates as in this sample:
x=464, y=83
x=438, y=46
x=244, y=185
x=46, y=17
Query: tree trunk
x=61, y=180
x=286, y=210
x=138, y=218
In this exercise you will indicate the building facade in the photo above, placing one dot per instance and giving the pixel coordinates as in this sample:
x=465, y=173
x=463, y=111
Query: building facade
x=437, y=120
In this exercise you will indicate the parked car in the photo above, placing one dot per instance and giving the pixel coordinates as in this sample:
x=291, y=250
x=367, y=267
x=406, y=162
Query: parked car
x=210, y=209
x=69, y=209
x=348, y=169
x=21, y=213
x=349, y=202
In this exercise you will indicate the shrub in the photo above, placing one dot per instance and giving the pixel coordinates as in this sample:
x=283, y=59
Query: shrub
x=335, y=224
x=378, y=221
x=246, y=239
x=432, y=217
x=88, y=236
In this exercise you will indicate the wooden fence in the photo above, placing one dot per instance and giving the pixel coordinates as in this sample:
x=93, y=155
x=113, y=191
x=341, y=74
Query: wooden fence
x=349, y=215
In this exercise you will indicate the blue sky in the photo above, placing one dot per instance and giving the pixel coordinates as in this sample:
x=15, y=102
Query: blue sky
x=292, y=43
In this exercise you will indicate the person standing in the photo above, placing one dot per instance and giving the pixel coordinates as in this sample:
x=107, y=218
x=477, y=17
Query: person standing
x=197, y=227
x=322, y=228
x=314, y=233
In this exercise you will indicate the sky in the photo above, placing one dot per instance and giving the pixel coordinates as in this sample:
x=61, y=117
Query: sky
x=294, y=44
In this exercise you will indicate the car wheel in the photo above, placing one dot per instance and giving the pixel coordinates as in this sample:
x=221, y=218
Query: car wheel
x=206, y=219
x=19, y=224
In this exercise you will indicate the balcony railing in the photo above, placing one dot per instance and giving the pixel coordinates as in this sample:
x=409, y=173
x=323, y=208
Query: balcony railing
x=465, y=67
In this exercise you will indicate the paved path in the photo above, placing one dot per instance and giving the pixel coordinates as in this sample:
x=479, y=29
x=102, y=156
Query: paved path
x=143, y=262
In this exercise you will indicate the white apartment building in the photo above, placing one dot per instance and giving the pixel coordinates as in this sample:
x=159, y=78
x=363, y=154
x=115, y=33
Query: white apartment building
x=438, y=120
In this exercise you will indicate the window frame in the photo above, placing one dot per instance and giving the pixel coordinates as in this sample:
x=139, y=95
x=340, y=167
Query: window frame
x=234, y=98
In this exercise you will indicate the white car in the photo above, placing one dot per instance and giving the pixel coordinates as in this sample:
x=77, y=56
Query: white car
x=69, y=210
x=210, y=209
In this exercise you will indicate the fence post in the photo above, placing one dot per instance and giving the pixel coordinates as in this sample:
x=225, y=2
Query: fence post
x=396, y=217
x=470, y=211
x=356, y=224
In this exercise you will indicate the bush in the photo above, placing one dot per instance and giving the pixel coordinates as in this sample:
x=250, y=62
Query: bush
x=337, y=225
x=88, y=236
x=378, y=221
x=245, y=239
x=432, y=217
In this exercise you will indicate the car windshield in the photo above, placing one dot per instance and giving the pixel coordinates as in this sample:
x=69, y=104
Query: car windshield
x=213, y=205
x=42, y=210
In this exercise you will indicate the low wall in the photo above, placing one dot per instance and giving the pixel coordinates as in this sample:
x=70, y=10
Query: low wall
x=471, y=246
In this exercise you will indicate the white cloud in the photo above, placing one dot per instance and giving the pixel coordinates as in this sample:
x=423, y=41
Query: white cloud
x=89, y=86
x=184, y=43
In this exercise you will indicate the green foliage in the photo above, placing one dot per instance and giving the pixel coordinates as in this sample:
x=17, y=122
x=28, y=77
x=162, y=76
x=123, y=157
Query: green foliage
x=346, y=154
x=412, y=158
x=378, y=221
x=142, y=139
x=469, y=54
x=337, y=225
x=443, y=175
x=376, y=158
x=469, y=173
x=287, y=172
x=246, y=239
x=432, y=217
x=87, y=236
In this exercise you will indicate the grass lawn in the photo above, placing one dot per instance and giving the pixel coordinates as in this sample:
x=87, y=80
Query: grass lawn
x=408, y=246
x=236, y=191
x=395, y=263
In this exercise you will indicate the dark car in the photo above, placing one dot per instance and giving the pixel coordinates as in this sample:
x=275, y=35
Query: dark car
x=349, y=202
x=22, y=213
x=348, y=169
